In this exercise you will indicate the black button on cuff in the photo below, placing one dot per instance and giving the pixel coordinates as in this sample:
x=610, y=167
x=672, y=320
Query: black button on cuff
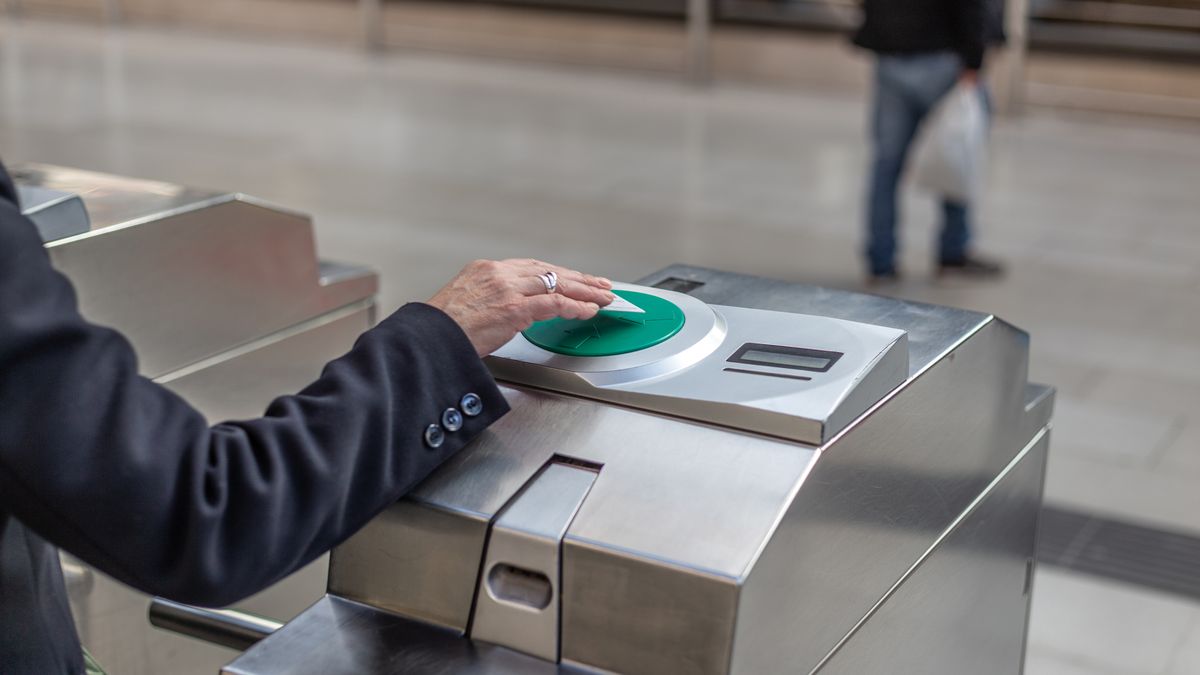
x=434, y=436
x=452, y=420
x=471, y=405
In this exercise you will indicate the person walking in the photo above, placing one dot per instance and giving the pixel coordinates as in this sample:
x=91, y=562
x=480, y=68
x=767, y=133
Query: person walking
x=923, y=49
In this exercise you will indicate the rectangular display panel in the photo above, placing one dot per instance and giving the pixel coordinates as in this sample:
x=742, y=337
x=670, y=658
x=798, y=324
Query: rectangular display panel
x=778, y=356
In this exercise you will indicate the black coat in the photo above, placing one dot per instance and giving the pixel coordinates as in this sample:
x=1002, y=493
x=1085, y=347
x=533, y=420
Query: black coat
x=117, y=470
x=914, y=26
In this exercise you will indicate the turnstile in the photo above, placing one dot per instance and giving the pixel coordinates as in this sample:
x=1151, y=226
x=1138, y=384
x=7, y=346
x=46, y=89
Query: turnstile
x=753, y=477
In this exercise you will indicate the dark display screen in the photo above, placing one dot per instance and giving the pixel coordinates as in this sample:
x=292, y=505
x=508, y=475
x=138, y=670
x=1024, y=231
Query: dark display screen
x=778, y=356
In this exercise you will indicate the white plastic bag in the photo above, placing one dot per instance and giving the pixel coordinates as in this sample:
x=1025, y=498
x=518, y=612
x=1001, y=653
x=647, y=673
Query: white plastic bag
x=950, y=161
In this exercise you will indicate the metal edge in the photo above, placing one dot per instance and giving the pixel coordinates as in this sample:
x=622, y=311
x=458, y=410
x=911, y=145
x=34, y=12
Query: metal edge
x=218, y=199
x=244, y=348
x=950, y=529
x=822, y=448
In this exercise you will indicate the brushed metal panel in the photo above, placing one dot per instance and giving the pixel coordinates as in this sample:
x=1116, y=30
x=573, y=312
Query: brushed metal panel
x=964, y=609
x=673, y=499
x=112, y=200
x=671, y=490
x=56, y=214
x=225, y=275
x=528, y=537
x=932, y=329
x=186, y=274
x=877, y=498
x=339, y=637
x=414, y=560
x=633, y=615
x=244, y=384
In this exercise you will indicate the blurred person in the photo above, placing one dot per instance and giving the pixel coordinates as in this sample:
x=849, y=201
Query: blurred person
x=124, y=474
x=923, y=49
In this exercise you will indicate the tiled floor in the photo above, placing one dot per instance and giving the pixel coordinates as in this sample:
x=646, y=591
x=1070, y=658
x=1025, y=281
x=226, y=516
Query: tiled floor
x=416, y=164
x=1080, y=625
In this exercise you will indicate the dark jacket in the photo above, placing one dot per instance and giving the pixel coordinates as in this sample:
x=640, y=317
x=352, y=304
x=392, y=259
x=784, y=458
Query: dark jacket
x=117, y=470
x=915, y=26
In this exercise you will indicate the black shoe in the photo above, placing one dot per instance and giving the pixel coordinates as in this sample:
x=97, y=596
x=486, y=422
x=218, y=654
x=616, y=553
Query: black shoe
x=971, y=266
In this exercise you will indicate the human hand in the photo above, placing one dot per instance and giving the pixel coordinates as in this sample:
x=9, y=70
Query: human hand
x=494, y=300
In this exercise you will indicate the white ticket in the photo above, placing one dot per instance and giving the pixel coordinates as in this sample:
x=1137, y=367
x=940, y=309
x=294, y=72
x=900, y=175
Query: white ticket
x=620, y=304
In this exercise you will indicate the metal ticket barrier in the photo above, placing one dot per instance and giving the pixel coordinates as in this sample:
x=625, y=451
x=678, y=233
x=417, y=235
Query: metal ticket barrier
x=226, y=302
x=751, y=477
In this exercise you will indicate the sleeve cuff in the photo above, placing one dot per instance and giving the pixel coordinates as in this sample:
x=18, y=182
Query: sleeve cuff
x=440, y=342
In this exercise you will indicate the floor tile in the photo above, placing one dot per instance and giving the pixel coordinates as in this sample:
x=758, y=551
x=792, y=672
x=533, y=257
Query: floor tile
x=1182, y=454
x=1158, y=498
x=1044, y=661
x=1115, y=434
x=1185, y=660
x=1104, y=626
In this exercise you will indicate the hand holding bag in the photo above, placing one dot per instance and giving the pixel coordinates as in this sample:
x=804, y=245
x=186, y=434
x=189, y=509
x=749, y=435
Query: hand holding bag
x=952, y=156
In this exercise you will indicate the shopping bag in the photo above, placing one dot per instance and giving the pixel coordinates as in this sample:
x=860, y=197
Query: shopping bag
x=952, y=154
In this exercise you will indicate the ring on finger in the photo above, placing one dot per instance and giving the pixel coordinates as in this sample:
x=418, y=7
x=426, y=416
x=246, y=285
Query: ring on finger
x=550, y=280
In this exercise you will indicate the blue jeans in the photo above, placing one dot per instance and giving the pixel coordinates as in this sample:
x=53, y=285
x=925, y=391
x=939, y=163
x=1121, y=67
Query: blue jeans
x=907, y=88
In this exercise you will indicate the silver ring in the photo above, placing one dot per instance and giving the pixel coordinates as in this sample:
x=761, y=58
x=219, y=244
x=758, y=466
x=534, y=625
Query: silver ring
x=550, y=279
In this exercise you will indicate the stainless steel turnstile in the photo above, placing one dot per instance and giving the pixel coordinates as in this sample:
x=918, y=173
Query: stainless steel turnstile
x=226, y=303
x=854, y=490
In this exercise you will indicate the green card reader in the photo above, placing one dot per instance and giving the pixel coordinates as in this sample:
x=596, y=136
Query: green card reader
x=610, y=334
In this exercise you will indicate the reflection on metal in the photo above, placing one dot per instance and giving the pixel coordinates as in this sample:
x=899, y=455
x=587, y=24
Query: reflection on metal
x=225, y=269
x=982, y=561
x=226, y=303
x=706, y=550
x=340, y=636
x=225, y=627
x=57, y=214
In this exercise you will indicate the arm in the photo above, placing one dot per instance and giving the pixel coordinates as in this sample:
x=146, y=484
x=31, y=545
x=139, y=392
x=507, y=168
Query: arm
x=126, y=475
x=971, y=23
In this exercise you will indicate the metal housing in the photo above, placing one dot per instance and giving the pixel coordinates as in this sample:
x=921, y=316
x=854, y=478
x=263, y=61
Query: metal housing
x=903, y=543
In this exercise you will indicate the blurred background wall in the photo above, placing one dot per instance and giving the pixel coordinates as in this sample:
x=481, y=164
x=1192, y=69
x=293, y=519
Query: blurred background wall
x=1113, y=55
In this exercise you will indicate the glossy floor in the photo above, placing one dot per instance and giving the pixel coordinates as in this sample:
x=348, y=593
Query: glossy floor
x=415, y=164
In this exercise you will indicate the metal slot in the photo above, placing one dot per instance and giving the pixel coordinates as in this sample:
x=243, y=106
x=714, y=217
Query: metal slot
x=678, y=285
x=785, y=376
x=517, y=600
x=520, y=586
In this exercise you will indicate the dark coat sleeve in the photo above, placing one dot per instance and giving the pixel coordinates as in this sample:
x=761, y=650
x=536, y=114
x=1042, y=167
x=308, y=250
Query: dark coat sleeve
x=126, y=475
x=972, y=31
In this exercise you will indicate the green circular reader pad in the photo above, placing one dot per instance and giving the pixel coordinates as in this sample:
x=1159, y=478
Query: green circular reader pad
x=610, y=333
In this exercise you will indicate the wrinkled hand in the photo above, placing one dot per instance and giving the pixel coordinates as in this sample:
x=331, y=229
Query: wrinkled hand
x=494, y=300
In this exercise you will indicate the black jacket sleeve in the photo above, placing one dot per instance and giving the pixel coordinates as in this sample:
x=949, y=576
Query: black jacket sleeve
x=126, y=475
x=972, y=31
